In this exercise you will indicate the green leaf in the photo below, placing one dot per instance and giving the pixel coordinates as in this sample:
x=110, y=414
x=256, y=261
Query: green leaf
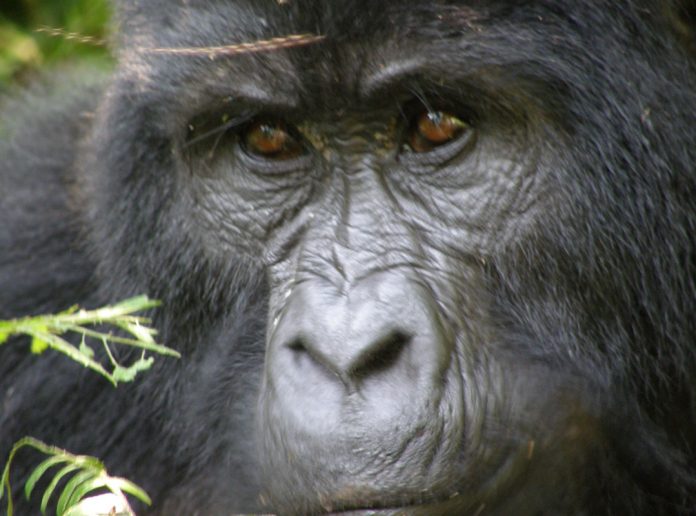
x=70, y=487
x=127, y=374
x=86, y=350
x=71, y=310
x=47, y=331
x=39, y=471
x=125, y=485
x=85, y=488
x=128, y=306
x=54, y=483
x=38, y=345
x=71, y=351
x=141, y=333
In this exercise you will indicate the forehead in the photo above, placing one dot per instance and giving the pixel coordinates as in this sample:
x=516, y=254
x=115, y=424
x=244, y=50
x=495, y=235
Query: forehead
x=340, y=20
x=341, y=40
x=359, y=44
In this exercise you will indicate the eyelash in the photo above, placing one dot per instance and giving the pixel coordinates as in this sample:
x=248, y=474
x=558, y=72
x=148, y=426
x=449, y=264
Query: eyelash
x=205, y=127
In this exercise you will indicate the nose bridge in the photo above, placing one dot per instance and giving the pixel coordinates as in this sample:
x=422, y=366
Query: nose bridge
x=367, y=209
x=357, y=231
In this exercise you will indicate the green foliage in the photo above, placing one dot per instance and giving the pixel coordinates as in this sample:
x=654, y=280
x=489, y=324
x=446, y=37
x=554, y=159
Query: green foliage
x=46, y=330
x=25, y=44
x=84, y=474
x=88, y=475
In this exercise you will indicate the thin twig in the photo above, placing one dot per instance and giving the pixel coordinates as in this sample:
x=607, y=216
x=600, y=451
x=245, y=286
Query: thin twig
x=71, y=36
x=267, y=45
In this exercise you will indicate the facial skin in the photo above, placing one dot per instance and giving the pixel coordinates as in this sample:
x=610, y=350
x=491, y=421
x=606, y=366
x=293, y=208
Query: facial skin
x=435, y=258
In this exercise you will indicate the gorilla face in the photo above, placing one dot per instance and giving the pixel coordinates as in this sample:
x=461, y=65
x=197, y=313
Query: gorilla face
x=371, y=184
x=432, y=257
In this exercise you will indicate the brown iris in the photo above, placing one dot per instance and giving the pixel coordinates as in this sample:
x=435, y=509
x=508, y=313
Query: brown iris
x=272, y=139
x=432, y=129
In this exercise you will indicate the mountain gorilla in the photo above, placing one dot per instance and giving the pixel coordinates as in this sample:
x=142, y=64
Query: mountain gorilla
x=419, y=257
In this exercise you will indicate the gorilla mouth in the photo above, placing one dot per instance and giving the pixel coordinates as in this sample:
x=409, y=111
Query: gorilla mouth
x=361, y=510
x=387, y=505
x=451, y=494
x=445, y=505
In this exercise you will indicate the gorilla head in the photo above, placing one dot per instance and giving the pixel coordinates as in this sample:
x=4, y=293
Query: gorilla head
x=423, y=257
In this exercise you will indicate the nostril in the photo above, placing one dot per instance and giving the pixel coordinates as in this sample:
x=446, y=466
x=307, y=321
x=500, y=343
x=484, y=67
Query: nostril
x=381, y=356
x=317, y=356
x=297, y=346
x=307, y=358
x=300, y=352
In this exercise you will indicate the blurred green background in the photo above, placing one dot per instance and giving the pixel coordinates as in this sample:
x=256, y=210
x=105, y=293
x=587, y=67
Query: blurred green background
x=24, y=49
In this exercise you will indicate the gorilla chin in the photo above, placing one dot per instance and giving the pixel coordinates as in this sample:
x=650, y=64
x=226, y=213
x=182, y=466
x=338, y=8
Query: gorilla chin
x=418, y=257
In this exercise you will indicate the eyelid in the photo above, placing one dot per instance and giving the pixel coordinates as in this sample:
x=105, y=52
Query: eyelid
x=435, y=159
x=415, y=139
x=275, y=164
x=210, y=130
x=264, y=130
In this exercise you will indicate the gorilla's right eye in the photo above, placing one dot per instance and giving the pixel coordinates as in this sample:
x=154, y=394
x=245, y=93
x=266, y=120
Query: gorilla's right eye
x=272, y=139
x=432, y=129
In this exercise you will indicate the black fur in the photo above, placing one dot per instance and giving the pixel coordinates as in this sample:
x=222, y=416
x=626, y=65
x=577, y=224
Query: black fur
x=581, y=299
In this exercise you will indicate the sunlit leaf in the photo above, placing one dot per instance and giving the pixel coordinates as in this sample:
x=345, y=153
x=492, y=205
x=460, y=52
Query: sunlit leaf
x=54, y=483
x=126, y=374
x=38, y=345
x=64, y=501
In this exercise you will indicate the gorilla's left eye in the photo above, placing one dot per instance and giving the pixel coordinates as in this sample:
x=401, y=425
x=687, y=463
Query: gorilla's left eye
x=272, y=139
x=431, y=129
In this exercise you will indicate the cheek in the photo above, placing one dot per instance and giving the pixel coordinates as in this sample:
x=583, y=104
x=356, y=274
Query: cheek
x=477, y=204
x=239, y=211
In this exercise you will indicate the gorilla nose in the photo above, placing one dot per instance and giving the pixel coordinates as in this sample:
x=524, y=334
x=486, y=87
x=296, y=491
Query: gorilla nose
x=360, y=358
x=373, y=351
